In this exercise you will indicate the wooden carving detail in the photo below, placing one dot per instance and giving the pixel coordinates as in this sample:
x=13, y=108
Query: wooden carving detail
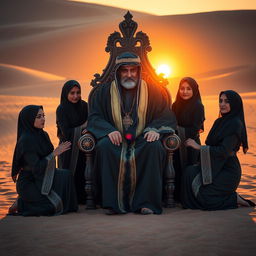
x=127, y=41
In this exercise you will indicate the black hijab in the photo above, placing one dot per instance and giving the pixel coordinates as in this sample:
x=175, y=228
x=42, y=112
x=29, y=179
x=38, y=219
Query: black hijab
x=230, y=123
x=76, y=112
x=29, y=138
x=185, y=110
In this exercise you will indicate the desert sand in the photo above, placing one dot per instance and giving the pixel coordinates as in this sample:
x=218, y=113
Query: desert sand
x=45, y=42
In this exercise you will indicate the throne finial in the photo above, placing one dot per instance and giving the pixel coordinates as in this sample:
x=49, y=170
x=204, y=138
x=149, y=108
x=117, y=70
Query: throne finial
x=128, y=27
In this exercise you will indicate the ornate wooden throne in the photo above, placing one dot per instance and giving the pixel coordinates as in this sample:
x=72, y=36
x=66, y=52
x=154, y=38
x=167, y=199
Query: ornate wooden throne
x=117, y=43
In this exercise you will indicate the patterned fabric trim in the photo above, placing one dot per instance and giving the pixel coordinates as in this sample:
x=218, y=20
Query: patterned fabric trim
x=120, y=188
x=132, y=162
x=128, y=60
x=47, y=185
x=143, y=106
x=206, y=165
x=182, y=148
x=56, y=201
x=49, y=175
x=75, y=149
x=196, y=184
x=162, y=129
x=116, y=107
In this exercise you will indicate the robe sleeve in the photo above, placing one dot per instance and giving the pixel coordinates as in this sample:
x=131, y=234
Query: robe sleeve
x=63, y=125
x=98, y=117
x=36, y=164
x=163, y=119
x=226, y=147
x=213, y=158
x=198, y=119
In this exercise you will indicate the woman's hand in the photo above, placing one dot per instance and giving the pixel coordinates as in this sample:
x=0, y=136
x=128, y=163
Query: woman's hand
x=191, y=143
x=84, y=131
x=64, y=146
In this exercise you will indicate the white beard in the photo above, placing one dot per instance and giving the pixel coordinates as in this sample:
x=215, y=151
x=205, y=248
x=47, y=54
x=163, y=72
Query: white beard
x=129, y=84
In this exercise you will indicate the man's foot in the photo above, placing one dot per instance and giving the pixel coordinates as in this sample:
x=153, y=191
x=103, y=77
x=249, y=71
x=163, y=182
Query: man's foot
x=146, y=211
x=111, y=212
x=245, y=202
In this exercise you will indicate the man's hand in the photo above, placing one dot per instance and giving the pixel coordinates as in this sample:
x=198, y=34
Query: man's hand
x=115, y=137
x=151, y=136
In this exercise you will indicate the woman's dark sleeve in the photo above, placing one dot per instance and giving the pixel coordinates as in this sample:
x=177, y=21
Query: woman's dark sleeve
x=198, y=120
x=63, y=125
x=163, y=118
x=225, y=149
x=35, y=163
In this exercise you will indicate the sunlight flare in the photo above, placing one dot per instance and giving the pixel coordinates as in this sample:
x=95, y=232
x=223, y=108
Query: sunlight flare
x=164, y=69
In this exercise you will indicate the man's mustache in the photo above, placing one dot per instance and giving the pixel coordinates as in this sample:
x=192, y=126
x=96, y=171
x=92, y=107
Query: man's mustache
x=129, y=79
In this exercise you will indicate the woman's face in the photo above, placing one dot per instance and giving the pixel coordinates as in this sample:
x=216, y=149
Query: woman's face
x=74, y=95
x=185, y=91
x=40, y=119
x=224, y=104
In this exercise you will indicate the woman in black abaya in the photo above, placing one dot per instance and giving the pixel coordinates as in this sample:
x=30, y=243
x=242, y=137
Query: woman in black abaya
x=189, y=112
x=42, y=189
x=212, y=184
x=71, y=117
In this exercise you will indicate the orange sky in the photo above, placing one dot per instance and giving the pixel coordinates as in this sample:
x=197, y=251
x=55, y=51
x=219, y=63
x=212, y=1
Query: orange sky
x=165, y=7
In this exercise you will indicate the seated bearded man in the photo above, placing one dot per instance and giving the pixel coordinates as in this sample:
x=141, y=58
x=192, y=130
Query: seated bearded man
x=127, y=117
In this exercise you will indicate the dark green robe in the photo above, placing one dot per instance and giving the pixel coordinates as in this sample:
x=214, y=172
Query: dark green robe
x=130, y=175
x=71, y=119
x=42, y=189
x=190, y=118
x=212, y=184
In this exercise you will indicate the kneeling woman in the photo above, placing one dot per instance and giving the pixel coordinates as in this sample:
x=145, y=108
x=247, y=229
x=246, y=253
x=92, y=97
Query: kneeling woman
x=42, y=189
x=213, y=184
x=71, y=118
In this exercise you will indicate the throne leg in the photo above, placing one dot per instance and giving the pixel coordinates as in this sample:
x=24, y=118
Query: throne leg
x=169, y=177
x=90, y=202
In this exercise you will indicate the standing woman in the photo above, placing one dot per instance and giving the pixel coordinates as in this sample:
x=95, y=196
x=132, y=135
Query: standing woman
x=71, y=121
x=42, y=189
x=189, y=112
x=213, y=184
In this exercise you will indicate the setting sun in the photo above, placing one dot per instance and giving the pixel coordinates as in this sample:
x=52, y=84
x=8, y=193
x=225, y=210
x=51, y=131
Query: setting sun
x=164, y=69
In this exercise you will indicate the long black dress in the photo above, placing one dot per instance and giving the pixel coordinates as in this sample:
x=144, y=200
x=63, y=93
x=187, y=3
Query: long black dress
x=42, y=189
x=71, y=119
x=212, y=184
x=190, y=118
x=130, y=174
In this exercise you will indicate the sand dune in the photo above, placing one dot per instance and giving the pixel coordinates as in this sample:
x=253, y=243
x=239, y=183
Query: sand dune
x=21, y=81
x=68, y=38
x=15, y=11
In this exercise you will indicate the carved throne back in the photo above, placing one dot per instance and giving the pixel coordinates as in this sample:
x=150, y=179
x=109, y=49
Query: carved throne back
x=126, y=42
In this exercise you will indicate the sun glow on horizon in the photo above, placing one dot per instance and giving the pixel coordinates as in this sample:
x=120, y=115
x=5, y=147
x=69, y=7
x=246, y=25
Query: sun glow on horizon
x=164, y=69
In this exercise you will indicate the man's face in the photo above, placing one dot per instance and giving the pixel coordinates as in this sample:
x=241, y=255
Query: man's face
x=129, y=76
